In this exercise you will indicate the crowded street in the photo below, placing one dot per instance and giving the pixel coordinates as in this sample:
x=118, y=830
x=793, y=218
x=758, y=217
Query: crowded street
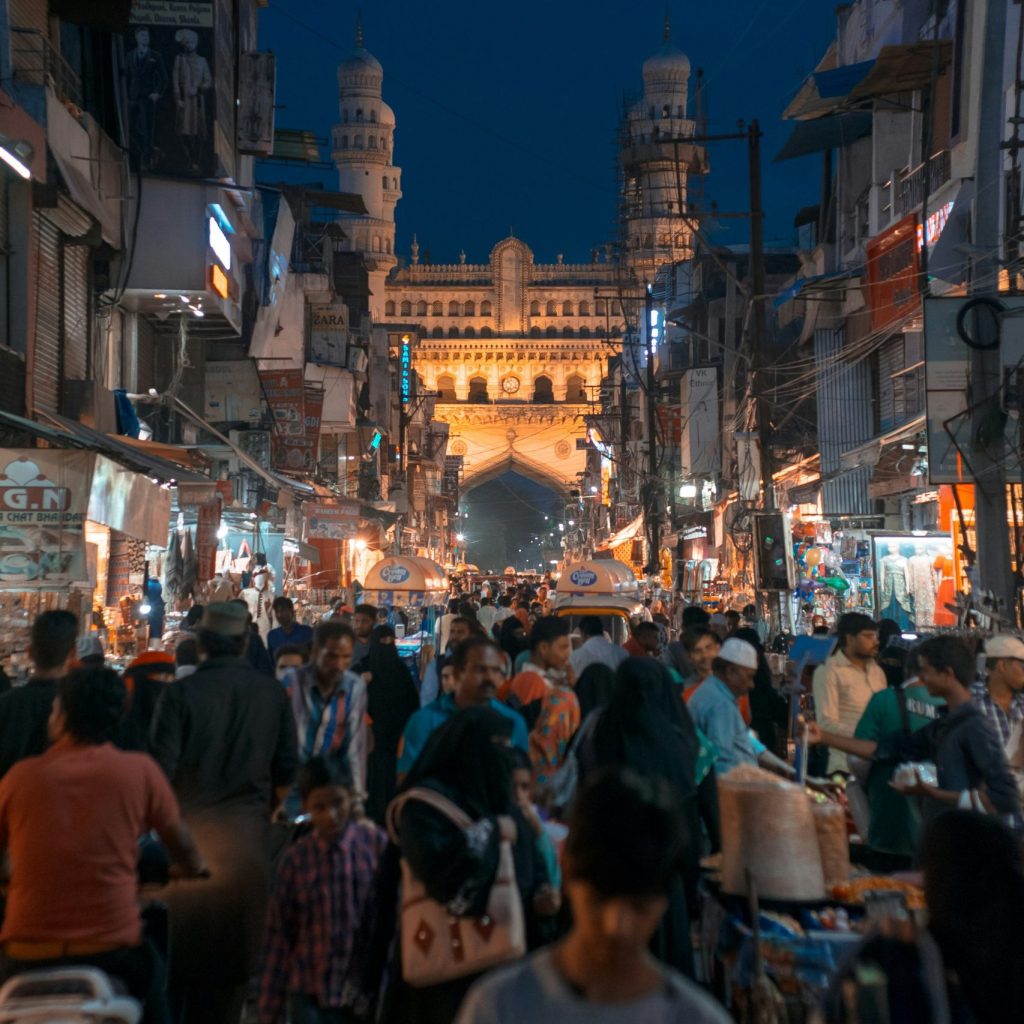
x=442, y=582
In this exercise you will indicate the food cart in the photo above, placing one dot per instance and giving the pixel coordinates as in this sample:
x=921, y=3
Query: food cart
x=603, y=587
x=415, y=587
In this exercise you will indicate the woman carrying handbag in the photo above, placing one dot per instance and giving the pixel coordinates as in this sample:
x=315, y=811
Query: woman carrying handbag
x=471, y=876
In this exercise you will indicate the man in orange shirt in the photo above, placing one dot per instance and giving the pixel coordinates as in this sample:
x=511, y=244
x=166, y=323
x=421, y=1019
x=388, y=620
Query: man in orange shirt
x=71, y=819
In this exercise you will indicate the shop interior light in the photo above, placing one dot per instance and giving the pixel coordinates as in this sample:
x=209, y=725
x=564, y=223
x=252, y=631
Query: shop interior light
x=144, y=609
x=359, y=544
x=159, y=295
x=219, y=281
x=17, y=155
x=688, y=491
x=907, y=447
x=185, y=299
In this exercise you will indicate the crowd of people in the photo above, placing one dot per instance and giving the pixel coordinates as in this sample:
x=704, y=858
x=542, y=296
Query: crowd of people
x=348, y=841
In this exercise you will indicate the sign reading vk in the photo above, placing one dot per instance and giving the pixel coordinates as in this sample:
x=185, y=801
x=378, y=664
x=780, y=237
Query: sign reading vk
x=394, y=574
x=583, y=578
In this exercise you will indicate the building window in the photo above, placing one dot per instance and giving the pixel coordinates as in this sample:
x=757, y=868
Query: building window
x=421, y=308
x=477, y=389
x=534, y=332
x=344, y=142
x=535, y=308
x=453, y=309
x=344, y=117
x=566, y=309
x=373, y=117
x=389, y=308
x=359, y=115
x=567, y=332
x=438, y=309
x=485, y=308
x=543, y=390
x=584, y=332
x=485, y=332
x=599, y=308
x=552, y=332
x=406, y=308
x=446, y=388
x=453, y=332
x=470, y=332
x=437, y=332
x=373, y=142
x=359, y=142
x=385, y=181
x=469, y=309
x=575, y=390
x=552, y=309
x=394, y=184
x=666, y=111
x=376, y=243
x=584, y=308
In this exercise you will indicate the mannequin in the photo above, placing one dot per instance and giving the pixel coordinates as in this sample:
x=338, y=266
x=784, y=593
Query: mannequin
x=894, y=593
x=259, y=598
x=946, y=592
x=924, y=585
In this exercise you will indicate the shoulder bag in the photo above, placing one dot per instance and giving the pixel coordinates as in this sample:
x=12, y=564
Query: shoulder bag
x=437, y=946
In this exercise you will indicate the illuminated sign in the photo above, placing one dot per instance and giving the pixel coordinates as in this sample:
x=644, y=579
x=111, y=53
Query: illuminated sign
x=394, y=574
x=219, y=281
x=933, y=226
x=376, y=439
x=405, y=376
x=583, y=578
x=219, y=243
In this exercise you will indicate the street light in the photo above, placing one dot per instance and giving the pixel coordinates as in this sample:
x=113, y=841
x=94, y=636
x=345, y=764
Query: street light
x=460, y=537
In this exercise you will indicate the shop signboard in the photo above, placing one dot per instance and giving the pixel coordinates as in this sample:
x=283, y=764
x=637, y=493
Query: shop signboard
x=947, y=372
x=892, y=266
x=285, y=394
x=328, y=334
x=332, y=520
x=44, y=499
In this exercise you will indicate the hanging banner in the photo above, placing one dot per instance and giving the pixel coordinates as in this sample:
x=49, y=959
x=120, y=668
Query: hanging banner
x=300, y=453
x=169, y=68
x=44, y=498
x=328, y=334
x=256, y=74
x=207, y=525
x=285, y=394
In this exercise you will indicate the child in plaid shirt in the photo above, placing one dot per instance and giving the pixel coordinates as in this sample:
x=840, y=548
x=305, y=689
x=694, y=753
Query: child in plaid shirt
x=322, y=909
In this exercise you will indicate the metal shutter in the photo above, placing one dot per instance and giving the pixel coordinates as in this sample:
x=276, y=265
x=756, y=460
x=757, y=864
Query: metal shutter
x=146, y=355
x=890, y=361
x=77, y=314
x=46, y=372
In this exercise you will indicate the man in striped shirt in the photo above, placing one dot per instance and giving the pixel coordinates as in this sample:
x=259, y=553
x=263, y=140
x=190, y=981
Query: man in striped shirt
x=329, y=705
x=1001, y=696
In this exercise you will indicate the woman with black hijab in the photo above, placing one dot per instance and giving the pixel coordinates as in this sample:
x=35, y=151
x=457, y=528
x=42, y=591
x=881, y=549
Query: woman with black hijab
x=391, y=701
x=769, y=710
x=512, y=639
x=594, y=688
x=467, y=762
x=647, y=728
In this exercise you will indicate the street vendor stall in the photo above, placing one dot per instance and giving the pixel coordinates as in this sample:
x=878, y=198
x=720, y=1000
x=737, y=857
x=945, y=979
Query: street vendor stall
x=415, y=587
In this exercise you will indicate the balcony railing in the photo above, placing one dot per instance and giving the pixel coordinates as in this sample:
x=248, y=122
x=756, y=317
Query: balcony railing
x=37, y=61
x=908, y=187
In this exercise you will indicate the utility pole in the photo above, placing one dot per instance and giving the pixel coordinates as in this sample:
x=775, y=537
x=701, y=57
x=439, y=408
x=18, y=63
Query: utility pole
x=652, y=505
x=758, y=329
x=988, y=454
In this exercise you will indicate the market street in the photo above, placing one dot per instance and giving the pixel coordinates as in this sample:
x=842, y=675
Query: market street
x=508, y=514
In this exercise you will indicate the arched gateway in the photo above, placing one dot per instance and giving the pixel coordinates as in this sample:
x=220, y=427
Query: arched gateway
x=521, y=348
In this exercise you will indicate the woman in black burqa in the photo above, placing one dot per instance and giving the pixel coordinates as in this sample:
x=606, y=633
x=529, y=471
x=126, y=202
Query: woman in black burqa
x=647, y=728
x=468, y=762
x=391, y=701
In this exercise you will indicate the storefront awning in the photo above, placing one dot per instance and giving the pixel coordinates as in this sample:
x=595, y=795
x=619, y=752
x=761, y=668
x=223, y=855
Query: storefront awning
x=869, y=454
x=627, y=533
x=903, y=68
x=839, y=82
x=65, y=433
x=823, y=133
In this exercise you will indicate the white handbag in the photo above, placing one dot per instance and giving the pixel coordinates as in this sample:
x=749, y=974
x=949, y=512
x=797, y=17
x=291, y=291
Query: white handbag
x=437, y=946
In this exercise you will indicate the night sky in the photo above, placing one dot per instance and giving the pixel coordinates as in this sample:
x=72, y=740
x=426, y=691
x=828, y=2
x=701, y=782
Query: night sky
x=507, y=112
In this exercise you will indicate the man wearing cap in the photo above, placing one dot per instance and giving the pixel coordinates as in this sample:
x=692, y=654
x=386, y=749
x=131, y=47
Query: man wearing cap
x=848, y=679
x=1001, y=696
x=226, y=739
x=715, y=711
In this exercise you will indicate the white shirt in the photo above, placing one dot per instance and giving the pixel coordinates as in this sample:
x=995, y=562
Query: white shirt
x=598, y=650
x=532, y=990
x=486, y=616
x=841, y=693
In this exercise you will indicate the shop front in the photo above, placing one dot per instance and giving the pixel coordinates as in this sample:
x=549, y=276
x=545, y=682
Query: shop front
x=63, y=514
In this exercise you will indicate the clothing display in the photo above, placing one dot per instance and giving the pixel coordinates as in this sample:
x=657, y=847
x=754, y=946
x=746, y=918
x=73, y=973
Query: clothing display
x=946, y=592
x=894, y=599
x=924, y=586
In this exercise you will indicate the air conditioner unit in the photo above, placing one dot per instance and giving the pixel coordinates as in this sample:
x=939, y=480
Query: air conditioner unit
x=357, y=359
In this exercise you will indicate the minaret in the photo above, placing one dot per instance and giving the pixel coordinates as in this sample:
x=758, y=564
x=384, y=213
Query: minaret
x=655, y=160
x=362, y=150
